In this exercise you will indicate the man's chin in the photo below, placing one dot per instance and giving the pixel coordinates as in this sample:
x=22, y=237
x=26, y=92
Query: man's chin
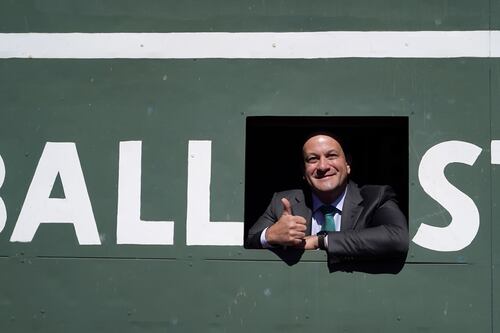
x=325, y=190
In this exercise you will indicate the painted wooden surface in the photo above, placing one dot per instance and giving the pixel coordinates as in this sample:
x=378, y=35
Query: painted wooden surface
x=53, y=284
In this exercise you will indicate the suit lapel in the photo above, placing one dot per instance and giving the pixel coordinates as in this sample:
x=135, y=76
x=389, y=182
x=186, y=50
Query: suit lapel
x=352, y=208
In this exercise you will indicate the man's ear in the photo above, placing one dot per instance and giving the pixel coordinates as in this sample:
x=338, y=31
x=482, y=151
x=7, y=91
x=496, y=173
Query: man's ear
x=348, y=169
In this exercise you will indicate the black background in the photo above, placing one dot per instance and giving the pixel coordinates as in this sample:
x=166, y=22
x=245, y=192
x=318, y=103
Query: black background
x=377, y=147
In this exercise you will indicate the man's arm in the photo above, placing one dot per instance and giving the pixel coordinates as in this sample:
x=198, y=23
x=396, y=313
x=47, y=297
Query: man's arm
x=281, y=227
x=383, y=233
x=265, y=220
x=385, y=237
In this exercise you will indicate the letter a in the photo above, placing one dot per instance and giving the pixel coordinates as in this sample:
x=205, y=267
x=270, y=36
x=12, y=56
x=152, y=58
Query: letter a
x=57, y=158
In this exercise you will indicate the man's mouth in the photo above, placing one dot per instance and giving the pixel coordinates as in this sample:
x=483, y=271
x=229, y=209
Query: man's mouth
x=325, y=176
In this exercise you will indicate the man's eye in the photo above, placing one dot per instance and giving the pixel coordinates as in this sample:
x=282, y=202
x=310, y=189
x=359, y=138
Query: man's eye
x=311, y=159
x=332, y=156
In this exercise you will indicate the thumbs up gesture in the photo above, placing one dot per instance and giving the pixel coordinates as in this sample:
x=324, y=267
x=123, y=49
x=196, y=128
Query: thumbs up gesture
x=289, y=230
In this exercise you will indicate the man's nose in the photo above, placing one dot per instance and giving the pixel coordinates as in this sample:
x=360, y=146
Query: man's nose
x=323, y=164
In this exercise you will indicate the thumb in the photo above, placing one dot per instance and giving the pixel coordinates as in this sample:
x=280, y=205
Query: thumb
x=287, y=207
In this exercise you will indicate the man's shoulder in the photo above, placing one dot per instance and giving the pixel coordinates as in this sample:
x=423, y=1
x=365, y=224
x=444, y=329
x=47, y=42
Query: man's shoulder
x=292, y=195
x=380, y=192
x=291, y=192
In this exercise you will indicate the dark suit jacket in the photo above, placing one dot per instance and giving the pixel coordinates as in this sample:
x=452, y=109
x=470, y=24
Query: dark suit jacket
x=373, y=226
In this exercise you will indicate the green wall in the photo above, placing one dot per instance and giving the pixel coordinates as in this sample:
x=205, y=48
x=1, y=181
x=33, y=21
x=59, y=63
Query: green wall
x=53, y=284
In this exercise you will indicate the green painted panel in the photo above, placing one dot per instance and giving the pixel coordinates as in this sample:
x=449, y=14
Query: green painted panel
x=52, y=284
x=97, y=104
x=60, y=295
x=250, y=15
x=495, y=15
x=495, y=193
x=451, y=105
x=166, y=103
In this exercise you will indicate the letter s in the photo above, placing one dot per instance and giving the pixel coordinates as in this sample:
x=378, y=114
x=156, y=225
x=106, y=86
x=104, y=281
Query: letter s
x=464, y=223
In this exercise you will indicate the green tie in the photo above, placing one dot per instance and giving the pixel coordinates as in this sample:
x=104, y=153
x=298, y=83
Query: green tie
x=328, y=211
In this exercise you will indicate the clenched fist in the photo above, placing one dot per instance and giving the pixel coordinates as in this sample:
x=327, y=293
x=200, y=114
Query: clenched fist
x=289, y=230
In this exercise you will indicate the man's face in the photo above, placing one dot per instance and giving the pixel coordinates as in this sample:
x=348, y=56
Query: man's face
x=325, y=166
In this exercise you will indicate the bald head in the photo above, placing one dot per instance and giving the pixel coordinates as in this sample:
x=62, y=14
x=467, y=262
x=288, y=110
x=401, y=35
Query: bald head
x=325, y=167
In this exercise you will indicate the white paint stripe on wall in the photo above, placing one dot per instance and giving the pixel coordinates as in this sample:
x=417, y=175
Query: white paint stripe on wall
x=495, y=44
x=252, y=45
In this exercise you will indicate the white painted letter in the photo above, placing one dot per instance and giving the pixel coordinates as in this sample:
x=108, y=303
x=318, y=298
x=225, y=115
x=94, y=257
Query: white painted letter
x=57, y=158
x=464, y=223
x=3, y=210
x=495, y=152
x=199, y=229
x=130, y=229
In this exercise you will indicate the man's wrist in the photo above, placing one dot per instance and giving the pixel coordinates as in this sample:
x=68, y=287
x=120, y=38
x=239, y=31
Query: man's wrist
x=263, y=239
x=322, y=242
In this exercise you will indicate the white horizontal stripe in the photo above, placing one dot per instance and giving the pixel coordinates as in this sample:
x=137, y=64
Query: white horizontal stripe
x=252, y=45
x=495, y=44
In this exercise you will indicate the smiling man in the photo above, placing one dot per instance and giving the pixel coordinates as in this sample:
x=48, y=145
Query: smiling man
x=332, y=213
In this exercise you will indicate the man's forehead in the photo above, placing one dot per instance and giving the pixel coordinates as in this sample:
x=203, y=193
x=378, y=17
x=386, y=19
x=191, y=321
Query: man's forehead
x=321, y=141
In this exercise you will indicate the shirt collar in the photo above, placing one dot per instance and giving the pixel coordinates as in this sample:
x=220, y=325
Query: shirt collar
x=338, y=203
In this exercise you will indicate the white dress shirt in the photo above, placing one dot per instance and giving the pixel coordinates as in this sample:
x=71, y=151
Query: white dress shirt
x=318, y=219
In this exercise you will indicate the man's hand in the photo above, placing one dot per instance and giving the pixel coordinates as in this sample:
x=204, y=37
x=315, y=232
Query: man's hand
x=289, y=230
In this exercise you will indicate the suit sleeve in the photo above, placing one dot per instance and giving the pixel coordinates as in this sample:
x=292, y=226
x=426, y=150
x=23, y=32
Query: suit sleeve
x=384, y=236
x=266, y=220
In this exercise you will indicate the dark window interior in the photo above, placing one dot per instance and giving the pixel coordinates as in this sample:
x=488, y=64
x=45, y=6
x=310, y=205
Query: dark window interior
x=378, y=148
